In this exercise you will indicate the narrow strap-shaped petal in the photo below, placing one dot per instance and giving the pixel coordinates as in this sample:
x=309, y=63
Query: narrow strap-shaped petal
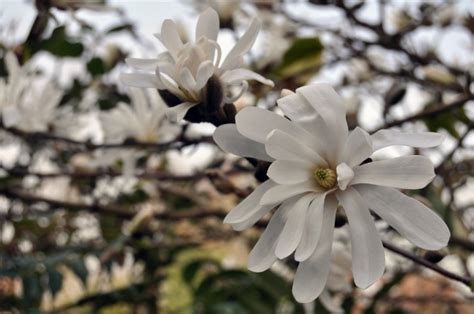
x=368, y=258
x=407, y=172
x=295, y=107
x=142, y=80
x=250, y=204
x=177, y=113
x=279, y=193
x=291, y=234
x=330, y=106
x=252, y=218
x=413, y=220
x=187, y=80
x=204, y=73
x=170, y=38
x=312, y=228
x=236, y=76
x=289, y=171
x=262, y=255
x=384, y=138
x=281, y=145
x=328, y=303
x=257, y=123
x=230, y=140
x=243, y=44
x=142, y=64
x=358, y=148
x=311, y=275
x=208, y=25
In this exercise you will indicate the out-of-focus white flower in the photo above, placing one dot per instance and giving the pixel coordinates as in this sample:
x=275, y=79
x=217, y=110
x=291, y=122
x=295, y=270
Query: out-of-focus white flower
x=26, y=102
x=316, y=165
x=193, y=72
x=224, y=8
x=438, y=74
x=144, y=120
x=126, y=274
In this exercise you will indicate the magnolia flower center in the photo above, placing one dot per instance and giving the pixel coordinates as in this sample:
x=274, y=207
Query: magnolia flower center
x=325, y=177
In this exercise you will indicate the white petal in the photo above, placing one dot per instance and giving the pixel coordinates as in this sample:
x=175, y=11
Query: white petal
x=208, y=25
x=11, y=63
x=243, y=44
x=413, y=220
x=358, y=148
x=295, y=107
x=262, y=255
x=171, y=86
x=330, y=106
x=312, y=228
x=384, y=138
x=408, y=172
x=249, y=205
x=253, y=218
x=280, y=193
x=368, y=259
x=142, y=80
x=291, y=234
x=289, y=171
x=187, y=80
x=238, y=75
x=256, y=124
x=281, y=145
x=344, y=175
x=177, y=113
x=204, y=73
x=170, y=38
x=143, y=64
x=11, y=116
x=311, y=275
x=229, y=139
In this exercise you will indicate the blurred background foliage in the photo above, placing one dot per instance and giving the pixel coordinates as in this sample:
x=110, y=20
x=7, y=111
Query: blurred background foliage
x=80, y=238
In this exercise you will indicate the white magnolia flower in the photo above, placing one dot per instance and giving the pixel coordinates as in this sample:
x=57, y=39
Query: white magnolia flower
x=26, y=102
x=185, y=70
x=143, y=120
x=316, y=164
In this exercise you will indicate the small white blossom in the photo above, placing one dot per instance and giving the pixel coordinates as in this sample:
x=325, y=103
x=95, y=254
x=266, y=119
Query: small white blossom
x=143, y=120
x=316, y=164
x=186, y=68
x=28, y=103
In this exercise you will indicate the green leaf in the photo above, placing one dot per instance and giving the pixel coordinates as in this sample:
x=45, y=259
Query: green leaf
x=123, y=27
x=190, y=270
x=304, y=55
x=32, y=291
x=55, y=280
x=60, y=45
x=96, y=66
x=446, y=120
x=78, y=266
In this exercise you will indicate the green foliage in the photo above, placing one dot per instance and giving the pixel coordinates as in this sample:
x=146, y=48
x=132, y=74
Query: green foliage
x=78, y=266
x=446, y=120
x=60, y=45
x=304, y=55
x=96, y=67
x=237, y=291
x=135, y=197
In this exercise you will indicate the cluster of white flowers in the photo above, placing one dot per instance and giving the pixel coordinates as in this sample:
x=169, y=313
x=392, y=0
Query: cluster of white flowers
x=186, y=69
x=316, y=165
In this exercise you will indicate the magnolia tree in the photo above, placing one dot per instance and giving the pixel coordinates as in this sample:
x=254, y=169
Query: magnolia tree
x=268, y=157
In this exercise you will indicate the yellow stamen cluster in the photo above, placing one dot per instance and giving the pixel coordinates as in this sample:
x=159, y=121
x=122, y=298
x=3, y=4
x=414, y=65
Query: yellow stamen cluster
x=325, y=177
